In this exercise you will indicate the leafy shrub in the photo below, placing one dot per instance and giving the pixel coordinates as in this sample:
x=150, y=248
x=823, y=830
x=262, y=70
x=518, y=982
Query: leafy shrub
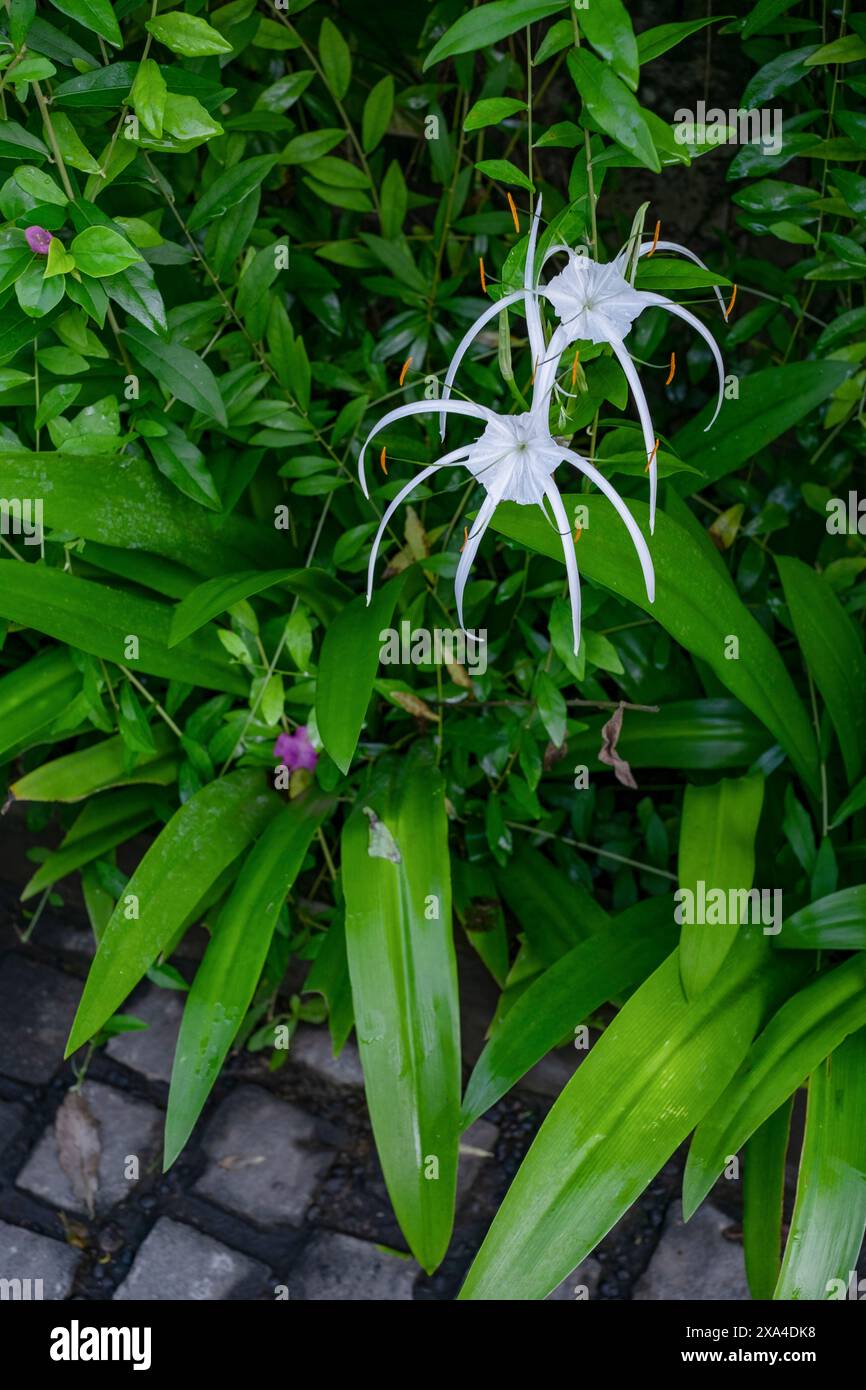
x=234, y=239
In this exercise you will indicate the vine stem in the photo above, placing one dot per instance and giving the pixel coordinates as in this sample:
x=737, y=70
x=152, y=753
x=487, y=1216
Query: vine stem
x=592, y=849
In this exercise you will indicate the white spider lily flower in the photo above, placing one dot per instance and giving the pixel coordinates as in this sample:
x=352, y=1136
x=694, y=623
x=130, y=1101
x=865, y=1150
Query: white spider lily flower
x=594, y=303
x=514, y=458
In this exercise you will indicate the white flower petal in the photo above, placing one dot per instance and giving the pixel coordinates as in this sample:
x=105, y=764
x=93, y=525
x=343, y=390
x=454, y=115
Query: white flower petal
x=469, y=337
x=682, y=251
x=478, y=412
x=584, y=466
x=470, y=549
x=663, y=303
x=533, y=317
x=624, y=358
x=456, y=456
x=570, y=555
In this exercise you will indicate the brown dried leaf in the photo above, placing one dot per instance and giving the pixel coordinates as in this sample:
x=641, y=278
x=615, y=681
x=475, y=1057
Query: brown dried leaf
x=76, y=1131
x=608, y=753
x=553, y=754
x=459, y=674
x=412, y=705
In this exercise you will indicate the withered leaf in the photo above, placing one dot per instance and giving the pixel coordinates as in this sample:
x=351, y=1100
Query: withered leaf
x=608, y=753
x=76, y=1131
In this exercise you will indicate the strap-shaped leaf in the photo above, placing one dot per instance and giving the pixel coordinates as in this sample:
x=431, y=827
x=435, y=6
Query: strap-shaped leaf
x=649, y=1079
x=199, y=842
x=396, y=878
x=226, y=979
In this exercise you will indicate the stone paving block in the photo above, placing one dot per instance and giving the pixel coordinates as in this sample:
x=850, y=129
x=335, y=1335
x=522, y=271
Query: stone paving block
x=176, y=1262
x=37, y=1005
x=477, y=1145
x=264, y=1161
x=11, y=1120
x=311, y=1045
x=150, y=1050
x=25, y=1255
x=586, y=1277
x=126, y=1127
x=694, y=1261
x=340, y=1268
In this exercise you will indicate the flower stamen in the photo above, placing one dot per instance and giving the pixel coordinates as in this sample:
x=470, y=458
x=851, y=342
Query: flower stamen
x=382, y=464
x=482, y=275
x=404, y=369
x=672, y=371
x=651, y=459
x=514, y=216
x=651, y=251
x=574, y=367
x=731, y=305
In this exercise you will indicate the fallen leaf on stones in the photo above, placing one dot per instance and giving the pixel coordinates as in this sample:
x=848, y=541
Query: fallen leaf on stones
x=608, y=754
x=78, y=1147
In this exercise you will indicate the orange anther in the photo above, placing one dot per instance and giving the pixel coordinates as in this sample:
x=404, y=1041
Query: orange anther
x=404, y=369
x=574, y=366
x=651, y=251
x=382, y=464
x=651, y=457
x=514, y=216
x=578, y=532
x=465, y=537
x=731, y=305
x=673, y=369
x=481, y=273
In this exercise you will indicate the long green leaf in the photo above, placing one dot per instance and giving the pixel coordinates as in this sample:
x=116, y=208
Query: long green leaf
x=347, y=670
x=226, y=979
x=200, y=840
x=833, y=649
x=488, y=24
x=105, y=822
x=692, y=603
x=99, y=620
x=763, y=1192
x=691, y=735
x=322, y=592
x=133, y=507
x=792, y=1045
x=35, y=695
x=404, y=988
x=830, y=1211
x=834, y=923
x=564, y=995
x=651, y=1076
x=770, y=402
x=105, y=764
x=717, y=847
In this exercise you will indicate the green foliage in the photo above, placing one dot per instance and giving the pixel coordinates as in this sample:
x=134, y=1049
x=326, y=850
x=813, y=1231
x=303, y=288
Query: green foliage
x=233, y=240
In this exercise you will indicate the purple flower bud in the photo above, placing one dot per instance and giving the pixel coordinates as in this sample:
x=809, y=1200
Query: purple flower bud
x=38, y=240
x=296, y=751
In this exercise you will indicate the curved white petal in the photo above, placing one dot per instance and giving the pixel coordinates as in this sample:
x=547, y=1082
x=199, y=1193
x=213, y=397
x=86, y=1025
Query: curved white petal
x=682, y=251
x=662, y=302
x=640, y=400
x=470, y=549
x=469, y=337
x=478, y=412
x=456, y=456
x=533, y=317
x=570, y=554
x=546, y=372
x=584, y=466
